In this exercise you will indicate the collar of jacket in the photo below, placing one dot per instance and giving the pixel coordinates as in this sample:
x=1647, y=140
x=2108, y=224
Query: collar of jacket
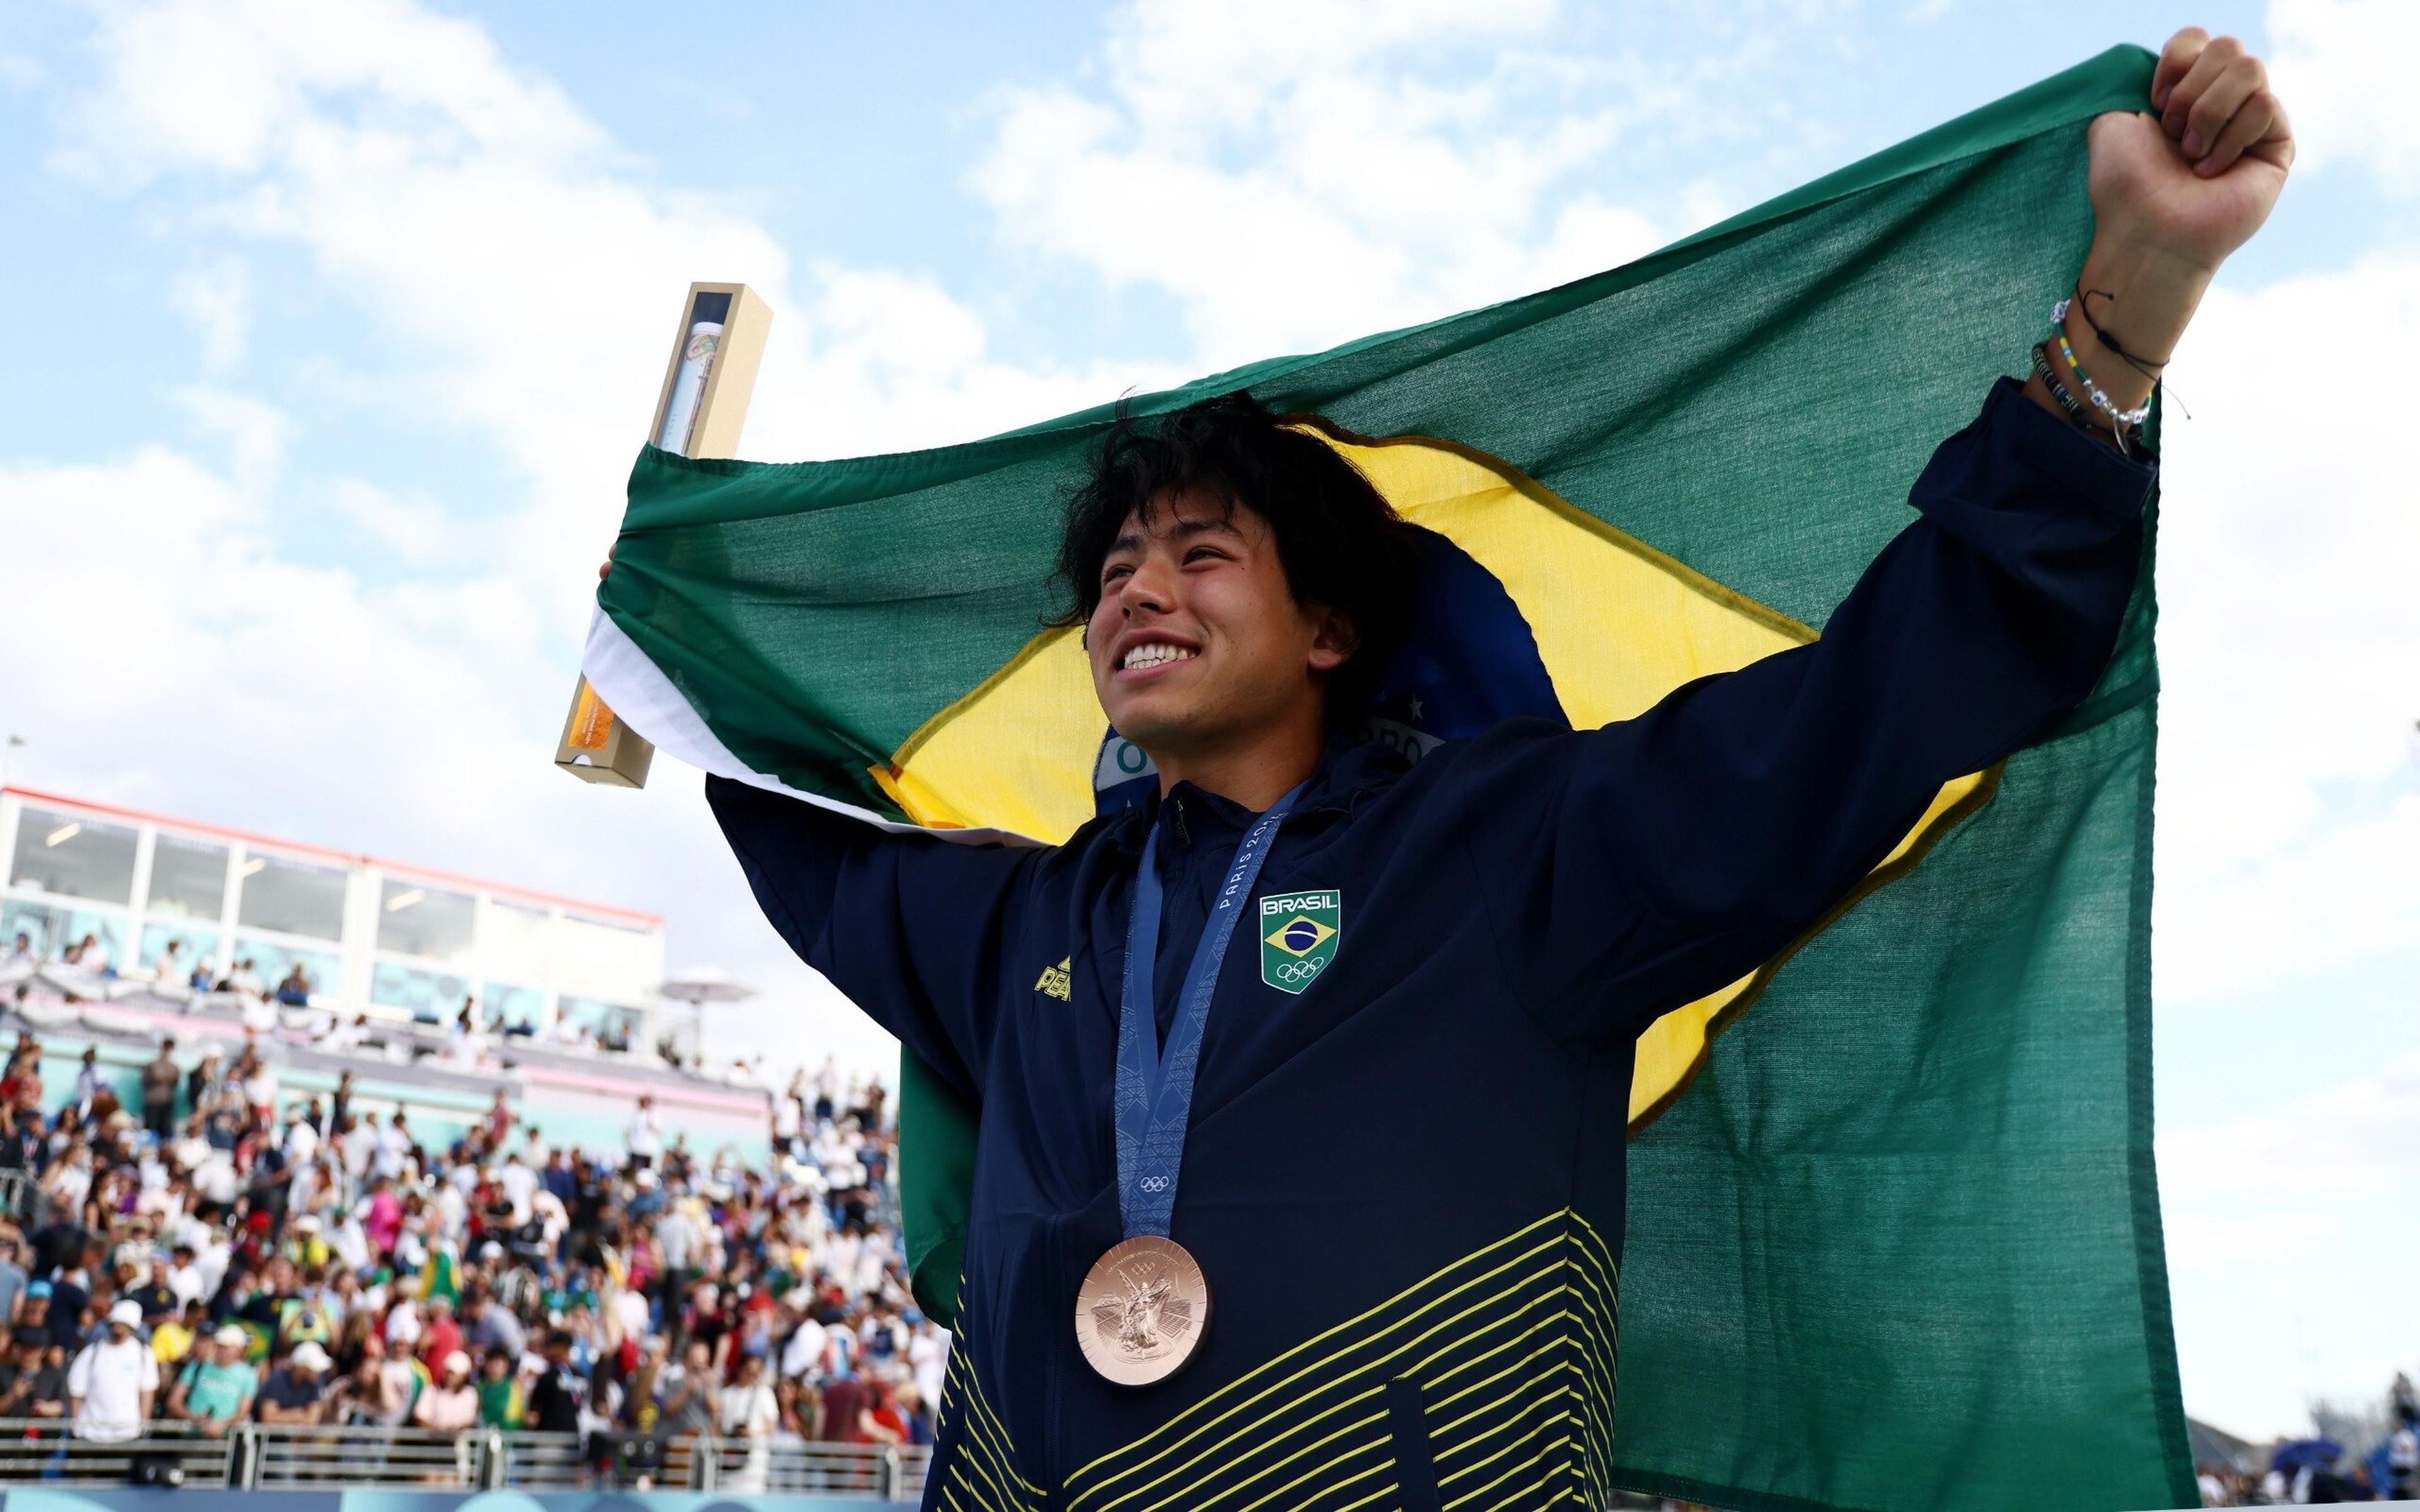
x=1349, y=766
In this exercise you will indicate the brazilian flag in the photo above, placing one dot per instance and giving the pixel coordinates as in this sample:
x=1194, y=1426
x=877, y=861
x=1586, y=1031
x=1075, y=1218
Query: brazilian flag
x=1893, y=1235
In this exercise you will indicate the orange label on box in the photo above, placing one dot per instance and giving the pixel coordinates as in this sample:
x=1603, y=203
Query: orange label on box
x=591, y=722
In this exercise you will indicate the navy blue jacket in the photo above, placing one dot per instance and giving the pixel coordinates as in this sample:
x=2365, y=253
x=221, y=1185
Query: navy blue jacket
x=1389, y=1327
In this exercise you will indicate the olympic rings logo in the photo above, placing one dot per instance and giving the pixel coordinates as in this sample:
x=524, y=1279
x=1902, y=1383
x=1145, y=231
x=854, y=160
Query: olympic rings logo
x=1298, y=971
x=1154, y=1183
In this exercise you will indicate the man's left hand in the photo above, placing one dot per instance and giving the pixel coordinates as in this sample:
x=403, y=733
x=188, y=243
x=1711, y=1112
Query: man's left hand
x=2195, y=181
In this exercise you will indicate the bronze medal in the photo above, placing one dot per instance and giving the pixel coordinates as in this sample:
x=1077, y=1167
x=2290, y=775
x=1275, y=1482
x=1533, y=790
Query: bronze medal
x=1141, y=1311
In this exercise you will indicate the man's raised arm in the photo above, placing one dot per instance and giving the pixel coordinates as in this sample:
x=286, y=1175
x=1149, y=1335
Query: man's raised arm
x=912, y=929
x=1679, y=851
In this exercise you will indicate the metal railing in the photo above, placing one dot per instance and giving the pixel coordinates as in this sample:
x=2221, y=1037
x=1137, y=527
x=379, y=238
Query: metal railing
x=286, y=1456
x=46, y=1449
x=537, y=1461
x=289, y=1457
x=760, y=1466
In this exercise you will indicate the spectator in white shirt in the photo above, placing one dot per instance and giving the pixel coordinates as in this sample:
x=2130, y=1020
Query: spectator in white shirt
x=111, y=1385
x=184, y=1277
x=520, y=1184
x=748, y=1411
x=802, y=1358
x=644, y=1136
x=301, y=1142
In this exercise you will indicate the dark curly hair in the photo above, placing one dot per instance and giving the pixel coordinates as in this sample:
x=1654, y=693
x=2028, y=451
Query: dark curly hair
x=1342, y=545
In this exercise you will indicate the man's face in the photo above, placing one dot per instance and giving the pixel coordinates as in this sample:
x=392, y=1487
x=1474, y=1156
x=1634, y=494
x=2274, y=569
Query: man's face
x=1197, y=636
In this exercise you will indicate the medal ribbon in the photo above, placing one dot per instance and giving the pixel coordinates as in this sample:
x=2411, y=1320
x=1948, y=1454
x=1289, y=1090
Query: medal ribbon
x=1153, y=1099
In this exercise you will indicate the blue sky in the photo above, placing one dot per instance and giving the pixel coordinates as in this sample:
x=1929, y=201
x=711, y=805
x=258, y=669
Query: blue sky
x=341, y=315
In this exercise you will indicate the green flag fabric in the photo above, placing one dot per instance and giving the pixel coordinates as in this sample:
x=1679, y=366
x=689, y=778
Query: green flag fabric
x=1894, y=1236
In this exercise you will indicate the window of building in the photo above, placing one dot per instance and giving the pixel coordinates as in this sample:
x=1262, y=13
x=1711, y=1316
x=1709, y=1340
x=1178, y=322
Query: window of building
x=73, y=857
x=193, y=946
x=429, y=923
x=516, y=943
x=188, y=878
x=429, y=996
x=515, y=1008
x=38, y=922
x=605, y=1021
x=52, y=930
x=292, y=898
x=605, y=961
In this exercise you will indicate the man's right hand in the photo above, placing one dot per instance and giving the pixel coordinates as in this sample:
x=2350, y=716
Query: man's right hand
x=605, y=569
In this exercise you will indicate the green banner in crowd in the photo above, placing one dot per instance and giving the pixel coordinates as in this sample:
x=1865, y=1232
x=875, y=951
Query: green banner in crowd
x=1894, y=1238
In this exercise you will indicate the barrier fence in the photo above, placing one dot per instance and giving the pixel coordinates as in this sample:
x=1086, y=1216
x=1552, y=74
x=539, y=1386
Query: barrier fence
x=286, y=1457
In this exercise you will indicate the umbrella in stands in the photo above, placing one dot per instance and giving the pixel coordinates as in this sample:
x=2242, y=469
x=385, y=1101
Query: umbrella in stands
x=695, y=988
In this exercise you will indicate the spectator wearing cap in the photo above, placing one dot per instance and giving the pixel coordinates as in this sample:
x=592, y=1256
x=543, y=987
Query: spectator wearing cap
x=450, y=1405
x=215, y=1390
x=34, y=1312
x=175, y=1337
x=296, y=1393
x=112, y=1382
x=561, y=1390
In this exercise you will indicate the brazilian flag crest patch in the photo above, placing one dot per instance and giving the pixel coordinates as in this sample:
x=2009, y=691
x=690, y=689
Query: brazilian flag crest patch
x=1299, y=931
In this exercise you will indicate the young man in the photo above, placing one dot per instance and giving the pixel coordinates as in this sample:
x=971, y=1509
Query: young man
x=1502, y=917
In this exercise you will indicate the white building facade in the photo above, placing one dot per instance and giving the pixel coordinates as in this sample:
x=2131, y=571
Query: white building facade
x=374, y=936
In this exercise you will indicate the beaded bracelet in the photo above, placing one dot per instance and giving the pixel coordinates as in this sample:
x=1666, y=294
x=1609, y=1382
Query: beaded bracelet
x=2099, y=395
x=2077, y=413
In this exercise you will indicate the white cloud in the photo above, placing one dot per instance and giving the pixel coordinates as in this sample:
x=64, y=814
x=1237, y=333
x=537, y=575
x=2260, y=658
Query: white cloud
x=209, y=676
x=1299, y=174
x=413, y=529
x=2286, y=1234
x=517, y=273
x=2342, y=66
x=216, y=296
x=2290, y=653
x=254, y=433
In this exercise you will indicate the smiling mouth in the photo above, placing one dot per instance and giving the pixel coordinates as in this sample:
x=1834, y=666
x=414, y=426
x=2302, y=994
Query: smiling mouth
x=1154, y=654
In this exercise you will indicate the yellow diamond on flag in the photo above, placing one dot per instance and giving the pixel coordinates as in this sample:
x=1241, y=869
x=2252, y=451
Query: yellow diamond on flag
x=1299, y=936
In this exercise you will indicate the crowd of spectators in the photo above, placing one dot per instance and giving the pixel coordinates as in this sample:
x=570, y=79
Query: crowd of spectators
x=2361, y=1456
x=221, y=1255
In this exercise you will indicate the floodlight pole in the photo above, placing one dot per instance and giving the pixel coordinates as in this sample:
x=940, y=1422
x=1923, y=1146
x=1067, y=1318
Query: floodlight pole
x=699, y=411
